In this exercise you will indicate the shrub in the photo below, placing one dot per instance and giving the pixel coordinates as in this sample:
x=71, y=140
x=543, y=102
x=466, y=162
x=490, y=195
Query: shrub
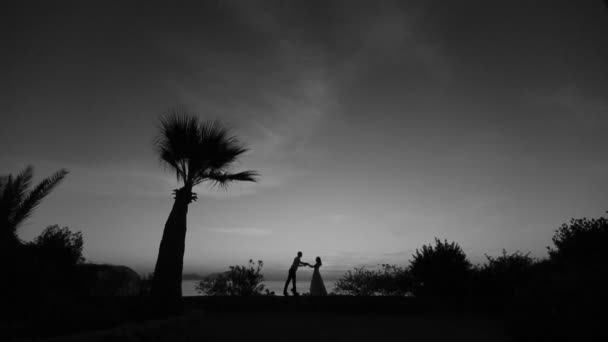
x=506, y=275
x=582, y=242
x=440, y=270
x=581, y=257
x=390, y=280
x=360, y=282
x=59, y=245
x=238, y=281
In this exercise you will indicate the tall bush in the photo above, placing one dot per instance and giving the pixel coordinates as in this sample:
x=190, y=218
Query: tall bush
x=440, y=270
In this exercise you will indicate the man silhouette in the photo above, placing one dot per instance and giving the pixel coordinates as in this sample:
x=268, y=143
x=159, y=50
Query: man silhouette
x=292, y=274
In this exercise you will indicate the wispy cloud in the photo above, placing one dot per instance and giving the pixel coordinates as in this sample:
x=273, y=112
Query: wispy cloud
x=284, y=98
x=241, y=231
x=577, y=107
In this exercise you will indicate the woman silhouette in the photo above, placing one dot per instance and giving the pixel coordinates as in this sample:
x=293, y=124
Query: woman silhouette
x=317, y=288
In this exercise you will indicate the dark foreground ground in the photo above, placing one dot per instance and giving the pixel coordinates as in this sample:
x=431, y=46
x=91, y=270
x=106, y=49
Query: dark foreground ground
x=306, y=326
x=332, y=318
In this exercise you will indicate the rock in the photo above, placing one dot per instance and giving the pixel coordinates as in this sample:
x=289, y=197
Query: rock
x=108, y=280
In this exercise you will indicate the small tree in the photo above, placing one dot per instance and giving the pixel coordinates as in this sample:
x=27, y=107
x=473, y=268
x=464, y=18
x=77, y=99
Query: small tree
x=59, y=245
x=238, y=281
x=440, y=270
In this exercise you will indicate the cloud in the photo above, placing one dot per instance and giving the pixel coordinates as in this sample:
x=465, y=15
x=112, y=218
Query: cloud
x=241, y=231
x=585, y=109
x=277, y=98
x=279, y=78
x=578, y=108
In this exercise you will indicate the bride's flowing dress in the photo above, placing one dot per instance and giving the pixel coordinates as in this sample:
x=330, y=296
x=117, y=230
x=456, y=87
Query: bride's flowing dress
x=317, y=288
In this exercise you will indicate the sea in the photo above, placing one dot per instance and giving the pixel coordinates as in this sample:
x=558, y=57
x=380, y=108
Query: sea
x=276, y=286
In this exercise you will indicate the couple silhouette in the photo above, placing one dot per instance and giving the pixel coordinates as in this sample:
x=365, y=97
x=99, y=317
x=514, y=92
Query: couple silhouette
x=317, y=288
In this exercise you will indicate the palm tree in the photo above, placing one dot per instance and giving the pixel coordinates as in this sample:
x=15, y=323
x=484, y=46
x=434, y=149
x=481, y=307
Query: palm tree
x=198, y=151
x=18, y=201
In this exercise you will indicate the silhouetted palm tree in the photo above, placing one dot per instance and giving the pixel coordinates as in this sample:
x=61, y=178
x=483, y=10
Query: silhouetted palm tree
x=18, y=201
x=198, y=152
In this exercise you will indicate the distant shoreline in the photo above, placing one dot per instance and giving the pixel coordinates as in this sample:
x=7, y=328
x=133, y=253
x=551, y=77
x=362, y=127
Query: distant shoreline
x=304, y=276
x=276, y=286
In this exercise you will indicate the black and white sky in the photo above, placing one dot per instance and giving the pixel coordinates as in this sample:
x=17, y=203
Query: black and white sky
x=376, y=125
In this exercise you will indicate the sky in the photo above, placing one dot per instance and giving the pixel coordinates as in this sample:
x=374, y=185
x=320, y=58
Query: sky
x=375, y=125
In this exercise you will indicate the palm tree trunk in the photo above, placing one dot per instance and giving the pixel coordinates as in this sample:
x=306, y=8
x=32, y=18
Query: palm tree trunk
x=167, y=281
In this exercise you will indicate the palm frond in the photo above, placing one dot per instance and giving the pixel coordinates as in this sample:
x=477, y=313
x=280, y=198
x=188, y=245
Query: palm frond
x=22, y=182
x=223, y=179
x=14, y=191
x=219, y=149
x=200, y=150
x=178, y=140
x=33, y=199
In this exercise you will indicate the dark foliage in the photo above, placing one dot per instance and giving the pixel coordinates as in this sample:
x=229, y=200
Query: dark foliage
x=504, y=276
x=582, y=242
x=238, y=281
x=360, y=282
x=389, y=280
x=392, y=280
x=440, y=270
x=18, y=201
x=200, y=151
x=580, y=256
x=45, y=267
x=59, y=245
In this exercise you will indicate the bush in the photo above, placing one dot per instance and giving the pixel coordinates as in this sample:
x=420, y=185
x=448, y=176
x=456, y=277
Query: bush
x=59, y=245
x=506, y=275
x=440, y=270
x=46, y=267
x=390, y=280
x=360, y=282
x=238, y=281
x=582, y=242
x=581, y=257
